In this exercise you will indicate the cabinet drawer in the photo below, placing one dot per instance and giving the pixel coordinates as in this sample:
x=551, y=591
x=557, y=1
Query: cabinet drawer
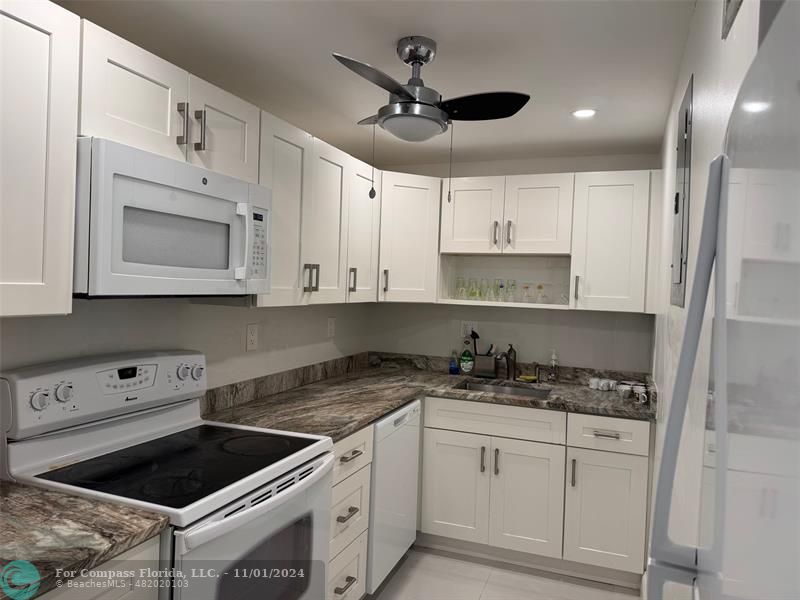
x=608, y=433
x=347, y=572
x=517, y=422
x=349, y=510
x=352, y=453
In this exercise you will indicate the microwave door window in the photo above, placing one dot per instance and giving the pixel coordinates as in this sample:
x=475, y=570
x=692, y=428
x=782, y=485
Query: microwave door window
x=156, y=238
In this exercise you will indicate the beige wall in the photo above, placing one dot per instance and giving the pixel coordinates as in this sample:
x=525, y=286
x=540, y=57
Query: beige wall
x=718, y=67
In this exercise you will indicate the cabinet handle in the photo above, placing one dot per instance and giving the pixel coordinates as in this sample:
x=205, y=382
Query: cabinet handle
x=315, y=287
x=497, y=461
x=606, y=434
x=483, y=459
x=497, y=233
x=386, y=280
x=354, y=279
x=351, y=512
x=577, y=280
x=310, y=268
x=183, y=110
x=349, y=582
x=508, y=233
x=200, y=115
x=572, y=479
x=352, y=456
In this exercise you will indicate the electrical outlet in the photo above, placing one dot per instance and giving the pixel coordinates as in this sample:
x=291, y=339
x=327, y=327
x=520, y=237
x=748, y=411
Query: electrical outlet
x=252, y=337
x=467, y=327
x=331, y=327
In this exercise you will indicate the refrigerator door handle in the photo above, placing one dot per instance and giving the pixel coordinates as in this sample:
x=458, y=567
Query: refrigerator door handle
x=663, y=550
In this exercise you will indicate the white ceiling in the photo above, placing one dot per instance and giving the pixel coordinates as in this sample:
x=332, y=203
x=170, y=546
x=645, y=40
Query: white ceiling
x=620, y=57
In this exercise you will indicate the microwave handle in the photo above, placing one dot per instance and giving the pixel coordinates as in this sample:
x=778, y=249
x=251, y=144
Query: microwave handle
x=194, y=538
x=243, y=210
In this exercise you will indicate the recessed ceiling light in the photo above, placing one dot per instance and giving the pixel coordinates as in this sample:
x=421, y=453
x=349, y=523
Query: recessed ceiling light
x=755, y=106
x=584, y=113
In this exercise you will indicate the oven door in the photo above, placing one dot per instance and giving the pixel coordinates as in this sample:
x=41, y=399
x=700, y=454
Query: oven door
x=163, y=227
x=271, y=544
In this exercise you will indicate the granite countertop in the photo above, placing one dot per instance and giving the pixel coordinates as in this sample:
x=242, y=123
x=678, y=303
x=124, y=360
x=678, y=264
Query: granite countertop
x=340, y=406
x=54, y=530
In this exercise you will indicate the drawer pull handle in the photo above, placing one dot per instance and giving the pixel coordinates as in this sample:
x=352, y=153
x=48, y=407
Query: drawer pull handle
x=483, y=459
x=351, y=512
x=352, y=456
x=497, y=461
x=572, y=479
x=606, y=435
x=349, y=582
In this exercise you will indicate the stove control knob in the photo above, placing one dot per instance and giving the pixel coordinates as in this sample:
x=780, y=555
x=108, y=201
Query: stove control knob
x=39, y=400
x=197, y=372
x=64, y=392
x=183, y=372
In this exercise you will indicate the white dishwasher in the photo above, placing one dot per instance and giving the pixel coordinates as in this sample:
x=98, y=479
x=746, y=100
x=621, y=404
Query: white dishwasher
x=393, y=492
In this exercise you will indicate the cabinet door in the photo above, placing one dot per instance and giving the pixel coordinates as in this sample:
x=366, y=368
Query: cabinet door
x=409, y=238
x=131, y=96
x=455, y=484
x=609, y=240
x=39, y=54
x=325, y=218
x=286, y=170
x=527, y=496
x=363, y=232
x=538, y=214
x=605, y=509
x=224, y=131
x=472, y=217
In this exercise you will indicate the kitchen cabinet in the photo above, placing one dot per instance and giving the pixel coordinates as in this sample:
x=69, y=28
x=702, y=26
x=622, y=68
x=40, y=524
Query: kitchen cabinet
x=472, y=215
x=143, y=556
x=538, y=214
x=521, y=214
x=347, y=573
x=324, y=229
x=605, y=509
x=224, y=132
x=609, y=241
x=363, y=232
x=409, y=238
x=286, y=162
x=527, y=496
x=40, y=49
x=134, y=97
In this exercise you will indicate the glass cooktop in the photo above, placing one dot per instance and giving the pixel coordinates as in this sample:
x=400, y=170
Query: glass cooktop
x=179, y=469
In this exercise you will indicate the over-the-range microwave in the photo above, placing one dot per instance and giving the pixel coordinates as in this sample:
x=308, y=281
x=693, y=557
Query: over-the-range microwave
x=147, y=225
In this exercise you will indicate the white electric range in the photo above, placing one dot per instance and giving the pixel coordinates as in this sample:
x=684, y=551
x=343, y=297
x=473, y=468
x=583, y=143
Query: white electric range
x=127, y=428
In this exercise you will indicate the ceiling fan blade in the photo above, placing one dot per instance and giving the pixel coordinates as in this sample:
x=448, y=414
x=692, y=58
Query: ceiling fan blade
x=369, y=120
x=484, y=107
x=372, y=74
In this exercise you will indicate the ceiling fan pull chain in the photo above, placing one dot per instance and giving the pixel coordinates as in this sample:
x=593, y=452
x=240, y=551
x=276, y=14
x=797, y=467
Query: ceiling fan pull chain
x=450, y=176
x=372, y=189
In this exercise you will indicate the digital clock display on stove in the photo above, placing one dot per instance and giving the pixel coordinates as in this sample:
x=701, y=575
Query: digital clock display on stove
x=126, y=373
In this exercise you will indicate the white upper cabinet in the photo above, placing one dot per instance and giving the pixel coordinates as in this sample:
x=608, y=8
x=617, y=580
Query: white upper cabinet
x=224, y=131
x=132, y=96
x=538, y=214
x=324, y=229
x=286, y=161
x=39, y=54
x=609, y=241
x=409, y=238
x=363, y=232
x=605, y=509
x=472, y=215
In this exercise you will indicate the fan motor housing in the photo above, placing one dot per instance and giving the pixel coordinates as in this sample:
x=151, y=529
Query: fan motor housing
x=416, y=49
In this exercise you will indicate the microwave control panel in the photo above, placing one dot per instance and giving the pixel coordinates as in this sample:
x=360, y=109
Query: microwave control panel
x=260, y=242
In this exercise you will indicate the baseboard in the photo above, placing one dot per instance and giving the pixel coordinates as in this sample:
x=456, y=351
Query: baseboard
x=567, y=568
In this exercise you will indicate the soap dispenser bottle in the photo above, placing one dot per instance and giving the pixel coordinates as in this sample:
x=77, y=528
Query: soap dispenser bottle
x=552, y=372
x=511, y=363
x=467, y=360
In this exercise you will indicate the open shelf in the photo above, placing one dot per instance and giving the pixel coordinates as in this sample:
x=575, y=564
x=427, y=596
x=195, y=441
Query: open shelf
x=508, y=304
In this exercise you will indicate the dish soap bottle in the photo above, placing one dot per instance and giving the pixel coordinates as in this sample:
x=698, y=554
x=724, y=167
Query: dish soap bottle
x=552, y=372
x=467, y=360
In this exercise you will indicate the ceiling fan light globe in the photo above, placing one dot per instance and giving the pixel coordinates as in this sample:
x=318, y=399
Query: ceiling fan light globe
x=412, y=128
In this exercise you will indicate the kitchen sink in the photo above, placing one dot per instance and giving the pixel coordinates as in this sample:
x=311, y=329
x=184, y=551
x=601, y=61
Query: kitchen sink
x=509, y=389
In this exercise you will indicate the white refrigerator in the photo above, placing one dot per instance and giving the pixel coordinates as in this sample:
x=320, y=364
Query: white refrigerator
x=748, y=271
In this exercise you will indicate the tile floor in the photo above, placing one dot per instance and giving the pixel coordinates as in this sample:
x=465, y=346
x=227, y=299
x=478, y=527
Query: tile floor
x=430, y=575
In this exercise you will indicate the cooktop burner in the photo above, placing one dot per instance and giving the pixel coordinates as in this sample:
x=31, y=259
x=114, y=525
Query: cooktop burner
x=179, y=469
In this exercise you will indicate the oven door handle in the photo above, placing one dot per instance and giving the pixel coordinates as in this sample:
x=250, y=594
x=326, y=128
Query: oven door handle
x=202, y=534
x=243, y=210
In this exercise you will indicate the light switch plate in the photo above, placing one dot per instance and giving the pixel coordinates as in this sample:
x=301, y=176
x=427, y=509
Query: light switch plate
x=252, y=337
x=467, y=327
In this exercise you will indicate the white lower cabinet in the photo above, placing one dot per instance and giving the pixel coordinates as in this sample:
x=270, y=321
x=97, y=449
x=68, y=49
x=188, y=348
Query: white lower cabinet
x=605, y=509
x=347, y=573
x=143, y=556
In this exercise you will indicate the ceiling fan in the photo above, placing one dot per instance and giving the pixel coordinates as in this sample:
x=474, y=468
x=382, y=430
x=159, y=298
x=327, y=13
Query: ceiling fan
x=416, y=113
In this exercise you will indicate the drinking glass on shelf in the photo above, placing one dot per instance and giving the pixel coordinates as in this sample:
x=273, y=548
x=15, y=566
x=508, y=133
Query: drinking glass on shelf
x=473, y=292
x=461, y=289
x=511, y=290
x=491, y=295
x=484, y=288
x=526, y=293
x=502, y=294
